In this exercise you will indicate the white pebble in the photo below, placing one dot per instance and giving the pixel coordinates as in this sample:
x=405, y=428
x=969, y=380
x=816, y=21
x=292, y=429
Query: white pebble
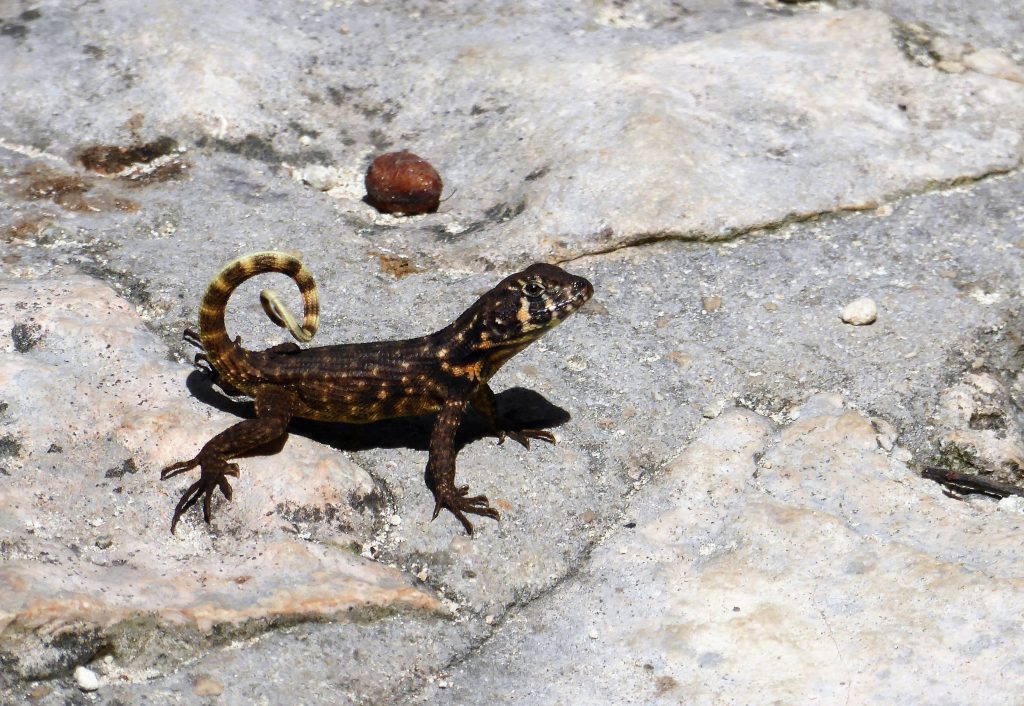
x=87, y=679
x=860, y=312
x=593, y=634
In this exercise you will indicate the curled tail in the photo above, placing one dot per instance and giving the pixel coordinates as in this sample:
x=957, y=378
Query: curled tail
x=227, y=357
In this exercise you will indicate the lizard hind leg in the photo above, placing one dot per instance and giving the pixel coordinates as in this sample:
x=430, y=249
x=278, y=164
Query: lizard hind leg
x=273, y=412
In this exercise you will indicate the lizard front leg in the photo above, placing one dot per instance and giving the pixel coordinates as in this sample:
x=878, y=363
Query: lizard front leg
x=273, y=412
x=483, y=402
x=441, y=469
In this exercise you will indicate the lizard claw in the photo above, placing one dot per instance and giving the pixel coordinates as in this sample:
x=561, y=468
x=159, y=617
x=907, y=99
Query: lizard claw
x=213, y=475
x=457, y=503
x=176, y=468
x=523, y=436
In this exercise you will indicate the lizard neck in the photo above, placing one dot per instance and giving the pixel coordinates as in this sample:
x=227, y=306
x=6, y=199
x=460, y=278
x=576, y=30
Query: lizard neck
x=467, y=349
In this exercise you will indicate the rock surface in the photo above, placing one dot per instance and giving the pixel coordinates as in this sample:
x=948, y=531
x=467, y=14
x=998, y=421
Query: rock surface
x=86, y=547
x=729, y=176
x=787, y=565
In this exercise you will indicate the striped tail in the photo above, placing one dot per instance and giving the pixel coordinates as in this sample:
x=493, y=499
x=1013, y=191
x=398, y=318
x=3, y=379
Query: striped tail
x=228, y=357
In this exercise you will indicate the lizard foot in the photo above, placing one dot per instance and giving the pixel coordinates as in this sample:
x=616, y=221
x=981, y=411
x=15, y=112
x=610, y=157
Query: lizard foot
x=455, y=501
x=523, y=436
x=213, y=475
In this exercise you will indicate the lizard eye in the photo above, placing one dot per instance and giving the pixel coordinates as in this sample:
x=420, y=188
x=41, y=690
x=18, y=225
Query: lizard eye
x=533, y=289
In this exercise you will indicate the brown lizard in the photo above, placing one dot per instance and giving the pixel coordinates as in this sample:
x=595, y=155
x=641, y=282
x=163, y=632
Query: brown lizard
x=442, y=372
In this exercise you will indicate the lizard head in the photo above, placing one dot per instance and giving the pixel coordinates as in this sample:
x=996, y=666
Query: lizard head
x=526, y=305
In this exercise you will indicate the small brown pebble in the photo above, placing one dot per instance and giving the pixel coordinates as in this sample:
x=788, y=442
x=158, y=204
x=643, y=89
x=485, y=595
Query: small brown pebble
x=711, y=304
x=39, y=693
x=681, y=359
x=505, y=505
x=397, y=267
x=403, y=184
x=204, y=685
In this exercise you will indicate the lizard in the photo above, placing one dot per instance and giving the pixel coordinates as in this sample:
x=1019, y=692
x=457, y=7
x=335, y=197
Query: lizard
x=442, y=372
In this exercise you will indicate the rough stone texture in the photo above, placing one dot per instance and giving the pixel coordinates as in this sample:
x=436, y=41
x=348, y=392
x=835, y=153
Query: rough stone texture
x=86, y=551
x=697, y=139
x=977, y=433
x=792, y=566
x=984, y=23
x=141, y=151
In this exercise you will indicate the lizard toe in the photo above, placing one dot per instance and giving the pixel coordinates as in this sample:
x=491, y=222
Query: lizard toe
x=176, y=468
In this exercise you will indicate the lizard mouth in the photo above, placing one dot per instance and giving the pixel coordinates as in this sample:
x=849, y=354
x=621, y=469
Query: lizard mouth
x=564, y=308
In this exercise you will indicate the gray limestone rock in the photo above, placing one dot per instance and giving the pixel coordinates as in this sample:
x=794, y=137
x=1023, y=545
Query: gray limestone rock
x=790, y=565
x=92, y=410
x=728, y=174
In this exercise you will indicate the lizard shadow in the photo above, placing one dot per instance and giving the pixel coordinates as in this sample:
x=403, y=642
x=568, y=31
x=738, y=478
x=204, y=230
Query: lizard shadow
x=518, y=408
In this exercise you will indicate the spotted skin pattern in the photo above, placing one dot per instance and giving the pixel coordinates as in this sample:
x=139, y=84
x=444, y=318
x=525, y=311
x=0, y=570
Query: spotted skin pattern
x=442, y=373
